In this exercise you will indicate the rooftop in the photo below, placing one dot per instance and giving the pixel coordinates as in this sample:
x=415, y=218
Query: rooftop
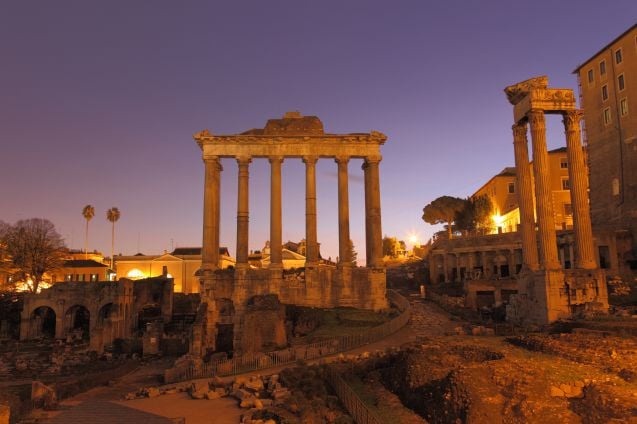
x=604, y=48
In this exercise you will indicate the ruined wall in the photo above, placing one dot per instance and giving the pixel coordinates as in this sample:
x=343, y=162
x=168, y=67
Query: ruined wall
x=263, y=325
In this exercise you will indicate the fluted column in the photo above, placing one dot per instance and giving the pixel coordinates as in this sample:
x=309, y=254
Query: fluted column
x=311, y=243
x=374, y=233
x=243, y=212
x=543, y=193
x=344, y=243
x=524, y=191
x=578, y=180
x=276, y=230
x=211, y=214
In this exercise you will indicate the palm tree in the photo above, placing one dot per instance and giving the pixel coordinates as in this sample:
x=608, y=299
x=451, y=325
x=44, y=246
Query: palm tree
x=89, y=213
x=112, y=215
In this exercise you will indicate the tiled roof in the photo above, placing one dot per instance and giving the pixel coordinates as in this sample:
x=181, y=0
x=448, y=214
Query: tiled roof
x=83, y=263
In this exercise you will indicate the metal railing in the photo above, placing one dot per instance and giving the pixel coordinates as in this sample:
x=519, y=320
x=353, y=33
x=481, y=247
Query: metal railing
x=357, y=409
x=258, y=361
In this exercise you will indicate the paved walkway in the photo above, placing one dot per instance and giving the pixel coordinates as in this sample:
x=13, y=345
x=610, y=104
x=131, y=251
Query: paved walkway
x=428, y=320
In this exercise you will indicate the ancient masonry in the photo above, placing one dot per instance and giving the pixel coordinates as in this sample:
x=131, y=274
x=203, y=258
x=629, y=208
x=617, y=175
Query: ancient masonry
x=228, y=295
x=547, y=292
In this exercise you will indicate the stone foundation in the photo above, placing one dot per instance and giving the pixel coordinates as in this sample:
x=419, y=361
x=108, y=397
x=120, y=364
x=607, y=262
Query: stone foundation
x=228, y=295
x=547, y=296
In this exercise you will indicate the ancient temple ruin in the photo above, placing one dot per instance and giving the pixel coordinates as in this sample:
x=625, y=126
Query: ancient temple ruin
x=547, y=292
x=229, y=296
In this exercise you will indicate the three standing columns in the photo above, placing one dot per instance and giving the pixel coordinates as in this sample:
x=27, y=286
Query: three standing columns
x=578, y=179
x=525, y=197
x=243, y=212
x=585, y=255
x=543, y=192
x=211, y=215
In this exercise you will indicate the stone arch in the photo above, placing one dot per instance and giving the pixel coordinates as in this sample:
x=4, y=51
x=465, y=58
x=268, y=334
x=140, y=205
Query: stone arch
x=42, y=321
x=108, y=310
x=78, y=320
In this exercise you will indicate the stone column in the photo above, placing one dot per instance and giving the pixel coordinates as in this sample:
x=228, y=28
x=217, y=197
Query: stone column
x=243, y=212
x=524, y=191
x=311, y=243
x=344, y=244
x=276, y=231
x=368, y=223
x=211, y=214
x=578, y=180
x=374, y=233
x=543, y=194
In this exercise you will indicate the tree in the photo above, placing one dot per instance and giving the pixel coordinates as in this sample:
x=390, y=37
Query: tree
x=483, y=211
x=353, y=256
x=443, y=210
x=112, y=215
x=88, y=212
x=475, y=215
x=392, y=246
x=32, y=248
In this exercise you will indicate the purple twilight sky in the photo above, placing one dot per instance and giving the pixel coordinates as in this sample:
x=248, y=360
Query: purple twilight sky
x=99, y=101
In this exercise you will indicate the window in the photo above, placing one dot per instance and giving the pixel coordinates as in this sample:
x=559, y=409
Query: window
x=602, y=67
x=511, y=187
x=620, y=82
x=607, y=116
x=618, y=56
x=565, y=184
x=623, y=106
x=564, y=163
x=568, y=209
x=591, y=76
x=605, y=92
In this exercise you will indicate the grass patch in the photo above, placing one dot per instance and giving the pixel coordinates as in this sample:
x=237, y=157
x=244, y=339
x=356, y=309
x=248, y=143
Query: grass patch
x=344, y=321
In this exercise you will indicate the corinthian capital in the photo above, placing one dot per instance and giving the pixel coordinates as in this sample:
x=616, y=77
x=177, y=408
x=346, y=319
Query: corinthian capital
x=519, y=131
x=571, y=119
x=536, y=119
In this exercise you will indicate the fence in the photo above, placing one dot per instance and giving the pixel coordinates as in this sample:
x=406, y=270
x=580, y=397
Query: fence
x=258, y=361
x=354, y=405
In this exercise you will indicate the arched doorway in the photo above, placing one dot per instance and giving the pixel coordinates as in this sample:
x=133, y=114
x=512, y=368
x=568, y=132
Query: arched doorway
x=105, y=312
x=148, y=313
x=78, y=320
x=43, y=322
